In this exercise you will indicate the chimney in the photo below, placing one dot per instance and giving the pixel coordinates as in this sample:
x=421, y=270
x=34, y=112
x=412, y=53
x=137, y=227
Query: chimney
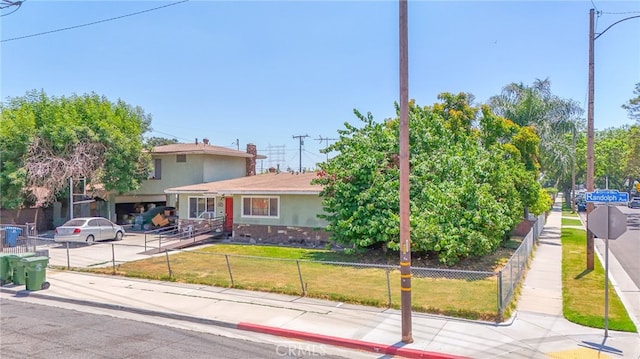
x=205, y=141
x=251, y=161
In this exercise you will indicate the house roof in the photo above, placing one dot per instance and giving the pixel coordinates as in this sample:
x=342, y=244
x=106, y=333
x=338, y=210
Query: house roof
x=262, y=184
x=200, y=148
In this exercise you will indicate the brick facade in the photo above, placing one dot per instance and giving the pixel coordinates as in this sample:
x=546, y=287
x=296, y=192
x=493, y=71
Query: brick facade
x=281, y=235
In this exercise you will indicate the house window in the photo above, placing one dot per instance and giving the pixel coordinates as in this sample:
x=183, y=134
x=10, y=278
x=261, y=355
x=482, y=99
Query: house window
x=181, y=158
x=201, y=207
x=260, y=206
x=155, y=172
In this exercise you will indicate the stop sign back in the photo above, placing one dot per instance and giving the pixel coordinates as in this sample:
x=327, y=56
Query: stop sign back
x=607, y=222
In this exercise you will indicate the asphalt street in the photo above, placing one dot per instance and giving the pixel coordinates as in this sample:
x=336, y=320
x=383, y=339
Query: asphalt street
x=40, y=331
x=626, y=248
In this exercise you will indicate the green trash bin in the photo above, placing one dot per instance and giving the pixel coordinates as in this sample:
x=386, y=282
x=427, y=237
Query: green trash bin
x=5, y=269
x=35, y=269
x=17, y=268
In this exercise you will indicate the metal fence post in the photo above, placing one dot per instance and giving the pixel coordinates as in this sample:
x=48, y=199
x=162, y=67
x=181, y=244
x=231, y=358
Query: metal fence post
x=166, y=252
x=304, y=292
x=113, y=257
x=510, y=278
x=229, y=268
x=68, y=260
x=500, y=303
x=388, y=287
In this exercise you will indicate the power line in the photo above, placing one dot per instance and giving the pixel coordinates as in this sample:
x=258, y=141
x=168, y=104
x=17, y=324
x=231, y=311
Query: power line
x=92, y=23
x=169, y=134
x=620, y=13
x=10, y=3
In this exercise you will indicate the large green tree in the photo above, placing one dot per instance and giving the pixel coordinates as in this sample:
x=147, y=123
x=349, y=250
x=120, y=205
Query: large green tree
x=47, y=140
x=633, y=105
x=468, y=185
x=617, y=162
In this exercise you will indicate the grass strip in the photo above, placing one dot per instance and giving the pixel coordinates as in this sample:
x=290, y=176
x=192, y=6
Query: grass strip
x=583, y=290
x=571, y=222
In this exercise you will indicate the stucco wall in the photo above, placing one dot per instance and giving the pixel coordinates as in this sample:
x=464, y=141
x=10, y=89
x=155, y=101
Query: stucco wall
x=218, y=168
x=295, y=210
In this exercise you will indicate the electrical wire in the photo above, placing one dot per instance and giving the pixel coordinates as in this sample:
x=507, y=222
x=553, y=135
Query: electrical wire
x=93, y=23
x=9, y=4
x=169, y=134
x=621, y=13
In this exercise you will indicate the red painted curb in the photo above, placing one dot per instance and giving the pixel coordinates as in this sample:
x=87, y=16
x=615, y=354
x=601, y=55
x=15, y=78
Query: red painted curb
x=349, y=343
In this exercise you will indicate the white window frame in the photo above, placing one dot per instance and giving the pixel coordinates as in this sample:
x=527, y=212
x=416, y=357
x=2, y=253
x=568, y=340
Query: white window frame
x=277, y=198
x=199, y=212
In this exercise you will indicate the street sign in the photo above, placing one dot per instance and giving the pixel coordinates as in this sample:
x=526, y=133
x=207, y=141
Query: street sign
x=607, y=196
x=607, y=222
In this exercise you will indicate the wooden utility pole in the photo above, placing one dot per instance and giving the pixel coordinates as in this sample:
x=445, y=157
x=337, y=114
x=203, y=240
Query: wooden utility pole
x=405, y=240
x=590, y=168
x=300, y=137
x=590, y=124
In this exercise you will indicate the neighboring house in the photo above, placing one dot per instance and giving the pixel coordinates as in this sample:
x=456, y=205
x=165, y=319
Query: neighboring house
x=182, y=164
x=270, y=208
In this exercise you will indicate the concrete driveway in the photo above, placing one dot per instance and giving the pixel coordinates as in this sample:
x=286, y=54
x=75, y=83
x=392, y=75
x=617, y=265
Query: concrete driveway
x=100, y=254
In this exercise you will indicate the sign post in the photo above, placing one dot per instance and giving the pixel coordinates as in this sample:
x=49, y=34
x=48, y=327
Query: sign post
x=607, y=223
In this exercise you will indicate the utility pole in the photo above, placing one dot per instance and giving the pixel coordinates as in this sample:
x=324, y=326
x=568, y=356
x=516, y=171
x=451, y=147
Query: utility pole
x=300, y=137
x=590, y=126
x=327, y=141
x=405, y=240
x=590, y=169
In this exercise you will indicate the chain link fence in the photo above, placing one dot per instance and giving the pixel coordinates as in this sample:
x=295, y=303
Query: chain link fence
x=511, y=275
x=478, y=294
x=17, y=238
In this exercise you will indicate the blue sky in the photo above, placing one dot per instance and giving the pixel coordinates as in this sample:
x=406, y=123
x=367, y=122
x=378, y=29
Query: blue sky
x=262, y=72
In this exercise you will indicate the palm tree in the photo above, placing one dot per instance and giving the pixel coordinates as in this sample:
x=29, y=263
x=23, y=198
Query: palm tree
x=556, y=120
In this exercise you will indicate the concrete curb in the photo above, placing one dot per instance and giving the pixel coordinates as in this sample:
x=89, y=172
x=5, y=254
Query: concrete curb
x=256, y=328
x=349, y=343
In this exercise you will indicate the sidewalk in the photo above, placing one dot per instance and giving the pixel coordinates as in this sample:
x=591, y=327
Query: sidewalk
x=537, y=329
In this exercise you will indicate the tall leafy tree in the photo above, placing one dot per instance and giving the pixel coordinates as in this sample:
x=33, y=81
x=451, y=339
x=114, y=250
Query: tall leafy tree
x=616, y=157
x=633, y=105
x=468, y=184
x=47, y=140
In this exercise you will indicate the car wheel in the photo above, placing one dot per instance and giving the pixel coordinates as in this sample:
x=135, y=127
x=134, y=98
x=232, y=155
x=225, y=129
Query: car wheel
x=91, y=239
x=118, y=236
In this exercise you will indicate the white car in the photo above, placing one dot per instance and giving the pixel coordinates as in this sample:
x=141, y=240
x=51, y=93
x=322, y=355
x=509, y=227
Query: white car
x=88, y=230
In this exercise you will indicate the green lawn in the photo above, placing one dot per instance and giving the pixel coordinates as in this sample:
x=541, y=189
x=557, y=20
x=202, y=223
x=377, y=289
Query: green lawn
x=295, y=270
x=583, y=290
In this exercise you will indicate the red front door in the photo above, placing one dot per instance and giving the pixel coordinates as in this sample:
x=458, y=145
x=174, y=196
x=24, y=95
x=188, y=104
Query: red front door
x=228, y=214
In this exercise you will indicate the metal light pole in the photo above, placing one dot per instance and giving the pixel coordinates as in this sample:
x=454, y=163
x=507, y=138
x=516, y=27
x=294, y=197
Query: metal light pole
x=405, y=241
x=590, y=156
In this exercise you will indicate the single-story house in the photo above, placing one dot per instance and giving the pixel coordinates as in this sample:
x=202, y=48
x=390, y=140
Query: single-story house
x=274, y=207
